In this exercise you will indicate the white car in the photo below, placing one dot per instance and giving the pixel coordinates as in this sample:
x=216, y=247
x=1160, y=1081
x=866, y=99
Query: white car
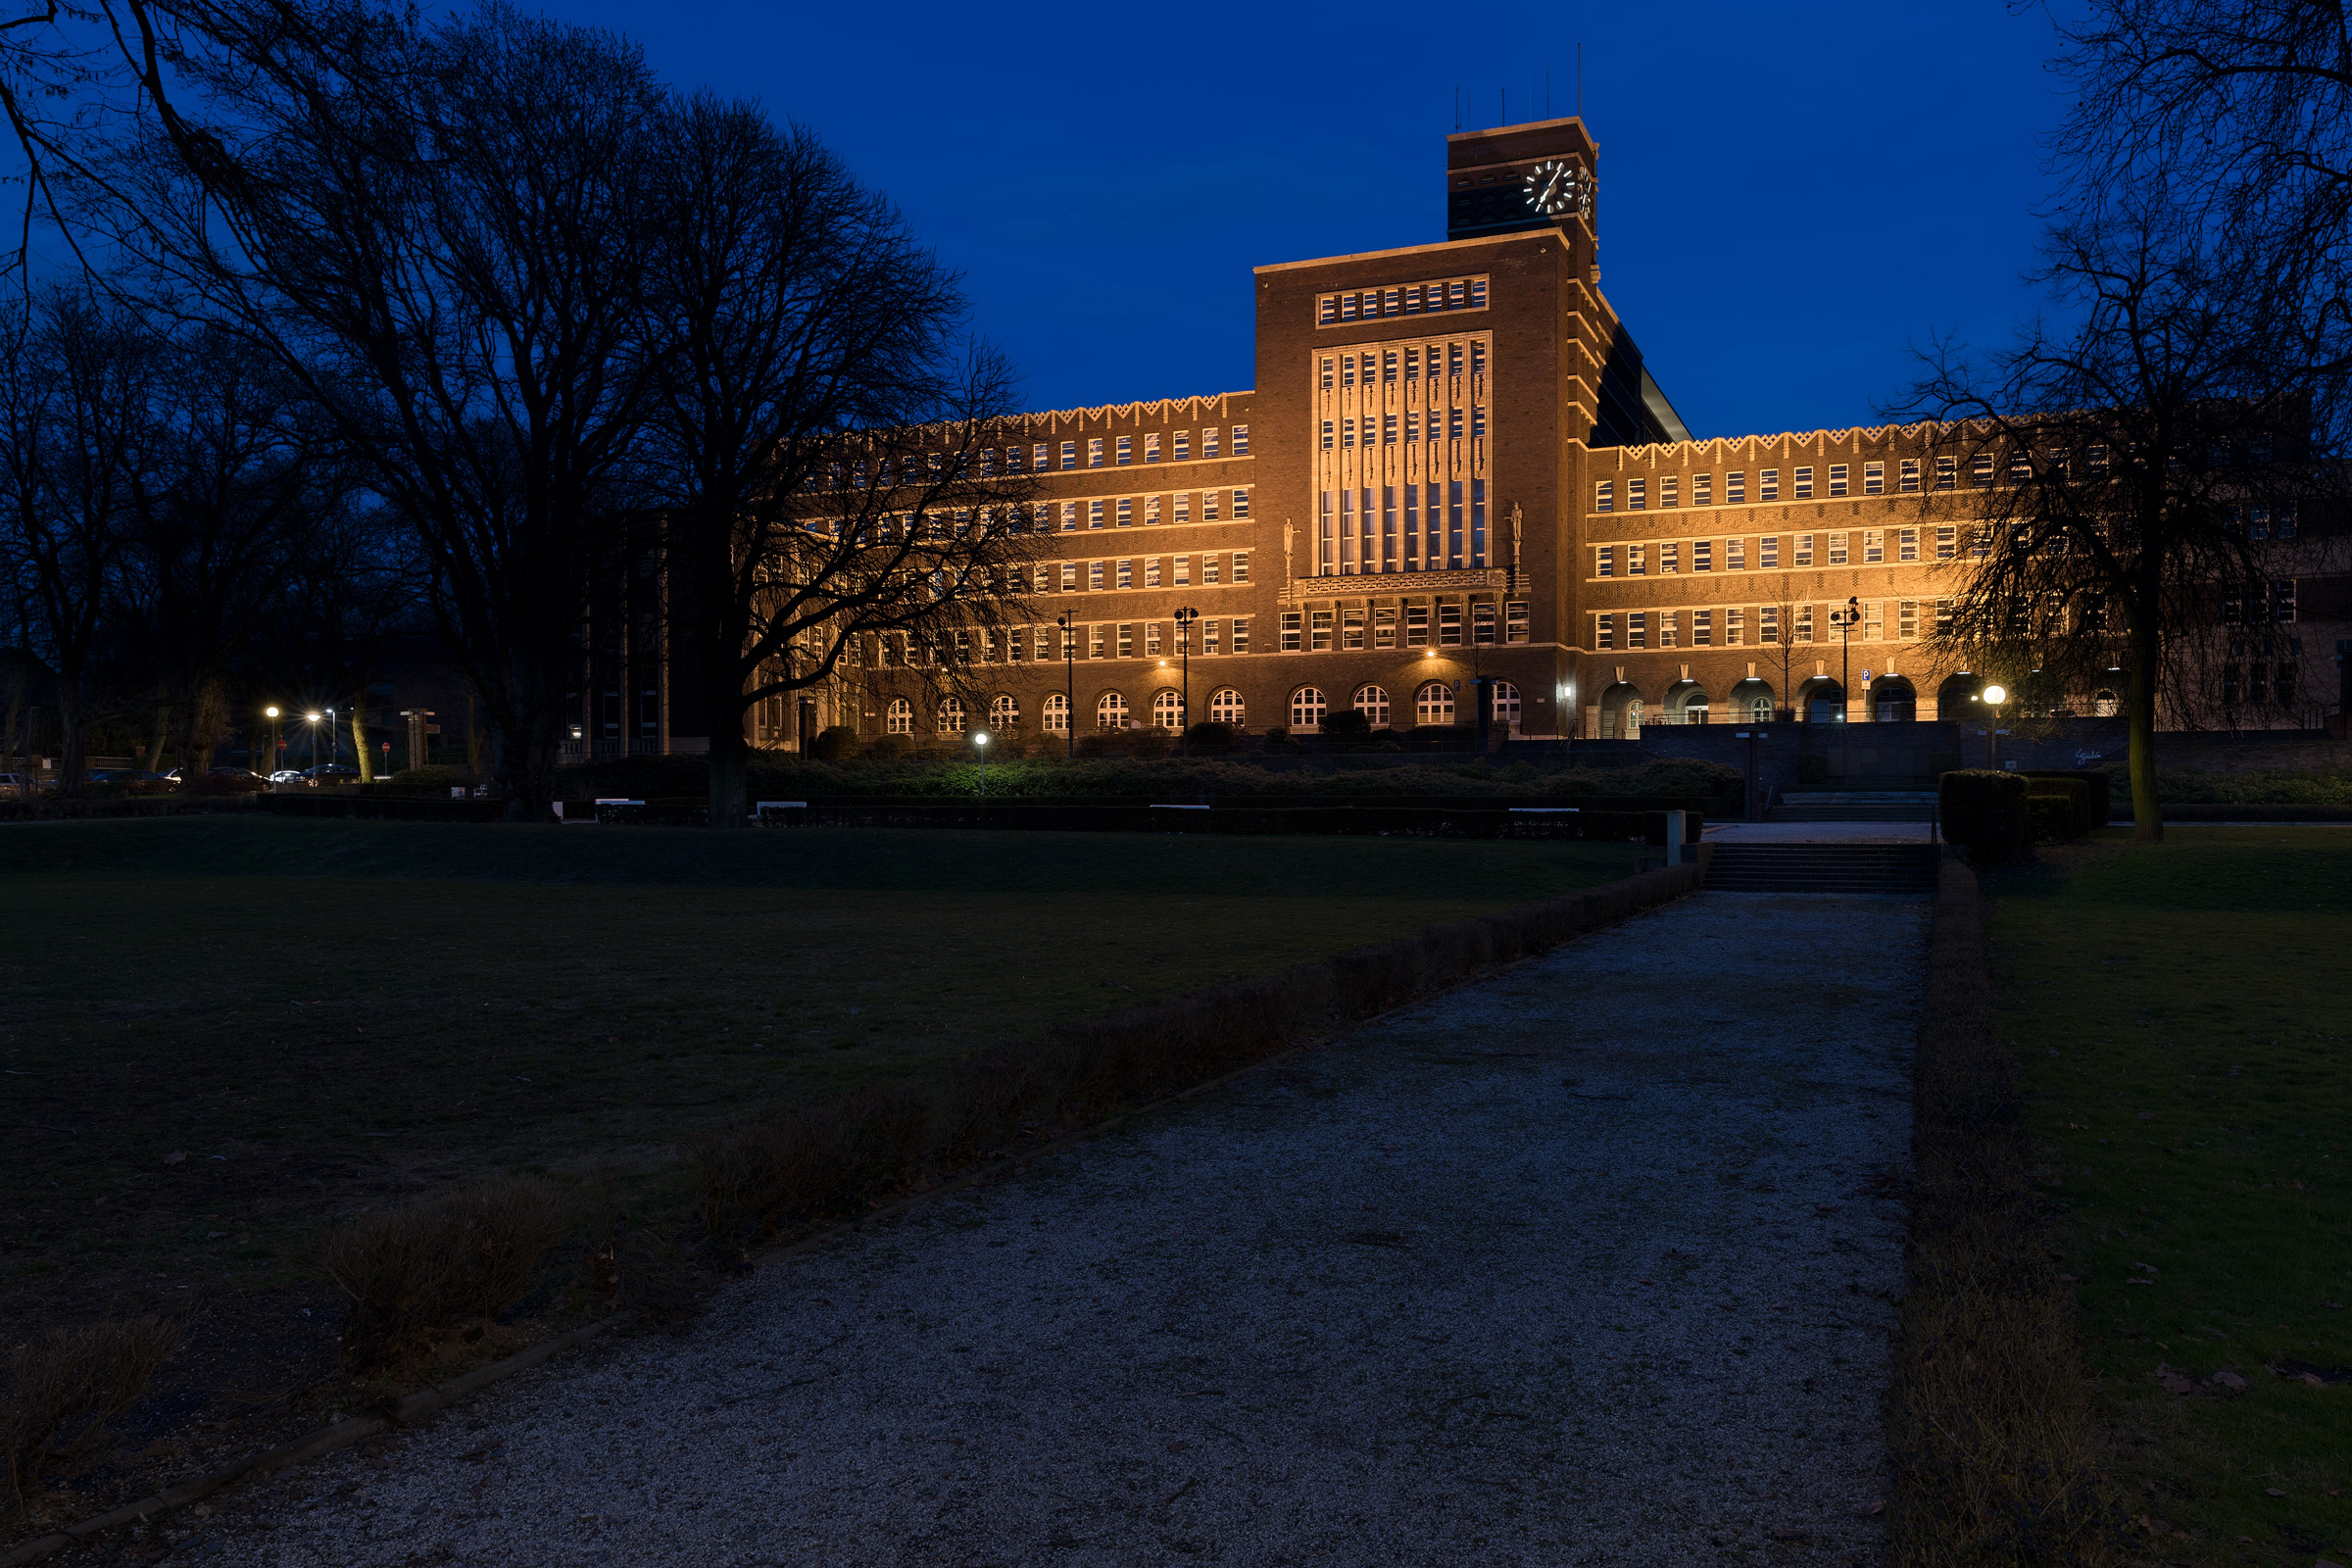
x=286, y=775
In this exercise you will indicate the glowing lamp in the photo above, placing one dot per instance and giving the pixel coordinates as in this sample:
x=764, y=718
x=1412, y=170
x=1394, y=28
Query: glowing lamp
x=1995, y=695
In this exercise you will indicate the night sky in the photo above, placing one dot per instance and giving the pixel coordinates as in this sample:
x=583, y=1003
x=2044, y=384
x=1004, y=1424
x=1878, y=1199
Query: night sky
x=1790, y=196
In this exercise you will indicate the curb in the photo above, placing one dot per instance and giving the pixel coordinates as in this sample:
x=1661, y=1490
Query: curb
x=408, y=1409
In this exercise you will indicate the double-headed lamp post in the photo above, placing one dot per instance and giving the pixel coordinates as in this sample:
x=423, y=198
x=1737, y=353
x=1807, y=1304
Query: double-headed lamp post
x=1846, y=620
x=1994, y=697
x=1070, y=683
x=1184, y=653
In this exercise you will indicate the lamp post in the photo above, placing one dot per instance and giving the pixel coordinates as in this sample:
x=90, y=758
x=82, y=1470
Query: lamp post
x=311, y=720
x=335, y=740
x=271, y=713
x=1992, y=699
x=1184, y=653
x=1846, y=620
x=980, y=744
x=1069, y=684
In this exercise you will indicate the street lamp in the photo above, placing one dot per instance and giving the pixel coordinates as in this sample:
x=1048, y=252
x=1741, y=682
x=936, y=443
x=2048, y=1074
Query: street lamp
x=1993, y=697
x=1844, y=621
x=1070, y=683
x=313, y=720
x=271, y=713
x=335, y=740
x=980, y=742
x=1184, y=650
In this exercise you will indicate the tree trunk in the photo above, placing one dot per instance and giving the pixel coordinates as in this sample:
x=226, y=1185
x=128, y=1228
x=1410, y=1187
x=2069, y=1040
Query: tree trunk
x=2140, y=723
x=359, y=740
x=163, y=734
x=70, y=742
x=730, y=771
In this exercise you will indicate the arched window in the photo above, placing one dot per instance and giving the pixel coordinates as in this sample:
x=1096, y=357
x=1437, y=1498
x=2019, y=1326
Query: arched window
x=1633, y=717
x=1694, y=711
x=1167, y=709
x=1004, y=713
x=899, y=718
x=951, y=715
x=1307, y=708
x=1225, y=706
x=2104, y=705
x=1759, y=712
x=1433, y=704
x=1506, y=703
x=1112, y=712
x=1373, y=703
x=1057, y=714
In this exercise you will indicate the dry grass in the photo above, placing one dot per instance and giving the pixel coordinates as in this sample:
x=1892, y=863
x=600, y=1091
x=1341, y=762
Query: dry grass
x=412, y=1274
x=1989, y=1413
x=65, y=1389
x=794, y=1167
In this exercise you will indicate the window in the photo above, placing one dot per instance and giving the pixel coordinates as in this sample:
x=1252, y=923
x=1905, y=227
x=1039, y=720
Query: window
x=1241, y=565
x=1241, y=440
x=1184, y=570
x=1094, y=453
x=1416, y=625
x=1702, y=555
x=1668, y=489
x=1906, y=619
x=1433, y=704
x=1804, y=623
x=1735, y=554
x=1327, y=435
x=1318, y=631
x=1906, y=545
x=1873, y=546
x=1112, y=712
x=1094, y=575
x=1767, y=484
x=1348, y=434
x=1874, y=622
x=1908, y=479
x=1151, y=448
x=1604, y=632
x=1098, y=645
x=1837, y=550
x=1670, y=559
x=899, y=718
x=1208, y=442
x=1373, y=703
x=1126, y=574
x=1307, y=707
x=1184, y=507
x=1450, y=626
x=1151, y=510
x=1055, y=714
x=1768, y=551
x=1070, y=576
x=1514, y=621
x=1225, y=706
x=1732, y=627
x=1291, y=623
x=1804, y=483
x=1126, y=639
x=1241, y=635
x=1768, y=624
x=1874, y=479
x=1702, y=489
x=1735, y=488
x=1604, y=561
x=1668, y=629
x=1184, y=438
x=1481, y=625
x=951, y=715
x=1945, y=534
x=1633, y=494
x=1837, y=480
x=1126, y=511
x=1167, y=710
x=1094, y=513
x=1803, y=553
x=1636, y=628
x=1979, y=469
x=1351, y=627
x=1241, y=502
x=1126, y=451
x=1040, y=457
x=1635, y=563
x=1069, y=516
x=1947, y=473
x=1702, y=628
x=2282, y=601
x=1383, y=626
x=1604, y=496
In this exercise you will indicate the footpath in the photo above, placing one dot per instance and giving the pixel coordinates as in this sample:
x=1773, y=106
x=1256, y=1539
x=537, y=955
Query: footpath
x=1587, y=1262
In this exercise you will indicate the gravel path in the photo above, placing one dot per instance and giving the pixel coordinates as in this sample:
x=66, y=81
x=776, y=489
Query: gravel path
x=1586, y=1264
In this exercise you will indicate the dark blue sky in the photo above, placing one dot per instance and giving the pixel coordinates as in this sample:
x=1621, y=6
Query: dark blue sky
x=1792, y=196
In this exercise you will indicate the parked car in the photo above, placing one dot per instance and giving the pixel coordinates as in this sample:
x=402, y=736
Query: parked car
x=233, y=772
x=286, y=775
x=131, y=775
x=330, y=773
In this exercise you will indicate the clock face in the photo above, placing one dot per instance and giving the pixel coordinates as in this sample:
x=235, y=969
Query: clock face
x=1555, y=188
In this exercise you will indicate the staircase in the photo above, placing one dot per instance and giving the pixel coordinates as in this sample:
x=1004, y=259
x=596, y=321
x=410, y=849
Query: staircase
x=1853, y=806
x=1906, y=870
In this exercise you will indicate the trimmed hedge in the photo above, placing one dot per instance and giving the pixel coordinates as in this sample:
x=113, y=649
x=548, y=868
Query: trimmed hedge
x=74, y=810
x=798, y=1165
x=1985, y=813
x=385, y=808
x=1480, y=820
x=2098, y=781
x=2059, y=807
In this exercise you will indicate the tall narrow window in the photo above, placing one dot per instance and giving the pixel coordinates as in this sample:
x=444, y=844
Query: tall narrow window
x=1804, y=483
x=1767, y=484
x=1735, y=488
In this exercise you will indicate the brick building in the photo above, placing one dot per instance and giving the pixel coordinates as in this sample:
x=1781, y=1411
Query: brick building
x=1455, y=477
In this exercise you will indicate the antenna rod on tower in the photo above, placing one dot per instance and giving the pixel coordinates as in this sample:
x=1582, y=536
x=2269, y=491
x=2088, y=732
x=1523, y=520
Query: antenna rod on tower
x=1580, y=81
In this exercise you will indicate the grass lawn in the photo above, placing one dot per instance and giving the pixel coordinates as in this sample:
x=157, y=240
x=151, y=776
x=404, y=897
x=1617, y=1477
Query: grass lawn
x=2180, y=1016
x=223, y=1031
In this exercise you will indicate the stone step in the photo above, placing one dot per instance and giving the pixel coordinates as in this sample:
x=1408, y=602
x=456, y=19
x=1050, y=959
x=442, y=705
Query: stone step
x=1897, y=868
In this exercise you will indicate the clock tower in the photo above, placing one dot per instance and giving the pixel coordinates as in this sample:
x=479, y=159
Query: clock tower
x=1519, y=177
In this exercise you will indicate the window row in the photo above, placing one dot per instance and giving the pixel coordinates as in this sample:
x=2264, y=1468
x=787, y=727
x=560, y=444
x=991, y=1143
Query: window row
x=1442, y=423
x=1639, y=495
x=1363, y=529
x=1151, y=446
x=1127, y=511
x=1104, y=576
x=1733, y=625
x=1403, y=299
x=1862, y=547
x=1345, y=628
x=952, y=716
x=1433, y=704
x=1382, y=366
x=1017, y=645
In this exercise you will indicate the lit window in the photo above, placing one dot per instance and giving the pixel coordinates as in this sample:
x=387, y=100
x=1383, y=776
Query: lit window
x=1241, y=502
x=1604, y=561
x=1908, y=476
x=1416, y=625
x=1450, y=626
x=1241, y=440
x=1094, y=453
x=1768, y=551
x=1604, y=493
x=1241, y=565
x=1225, y=706
x=1433, y=704
x=1702, y=555
x=951, y=715
x=899, y=718
x=1307, y=707
x=1126, y=639
x=1112, y=712
x=1373, y=703
x=1209, y=505
x=1634, y=497
x=1767, y=484
x=1151, y=572
x=1318, y=631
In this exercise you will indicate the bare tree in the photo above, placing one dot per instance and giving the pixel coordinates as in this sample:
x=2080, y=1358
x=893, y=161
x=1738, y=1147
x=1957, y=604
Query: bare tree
x=438, y=232
x=2112, y=467
x=77, y=378
x=824, y=454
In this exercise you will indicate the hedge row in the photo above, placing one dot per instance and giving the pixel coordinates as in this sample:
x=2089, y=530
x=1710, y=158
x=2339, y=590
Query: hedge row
x=1990, y=1427
x=1985, y=812
x=1480, y=822
x=73, y=810
x=797, y=1165
x=385, y=808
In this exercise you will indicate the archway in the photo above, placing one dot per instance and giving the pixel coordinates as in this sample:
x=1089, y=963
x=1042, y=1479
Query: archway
x=1621, y=711
x=899, y=718
x=1820, y=700
x=1893, y=700
x=1957, y=697
x=1686, y=703
x=1750, y=702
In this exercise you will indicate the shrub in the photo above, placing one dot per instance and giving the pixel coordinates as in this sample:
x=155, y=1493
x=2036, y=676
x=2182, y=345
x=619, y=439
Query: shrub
x=1983, y=812
x=835, y=743
x=1812, y=767
x=65, y=1390
x=889, y=748
x=411, y=1274
x=1278, y=738
x=1347, y=724
x=2065, y=802
x=2097, y=786
x=2049, y=819
x=1209, y=738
